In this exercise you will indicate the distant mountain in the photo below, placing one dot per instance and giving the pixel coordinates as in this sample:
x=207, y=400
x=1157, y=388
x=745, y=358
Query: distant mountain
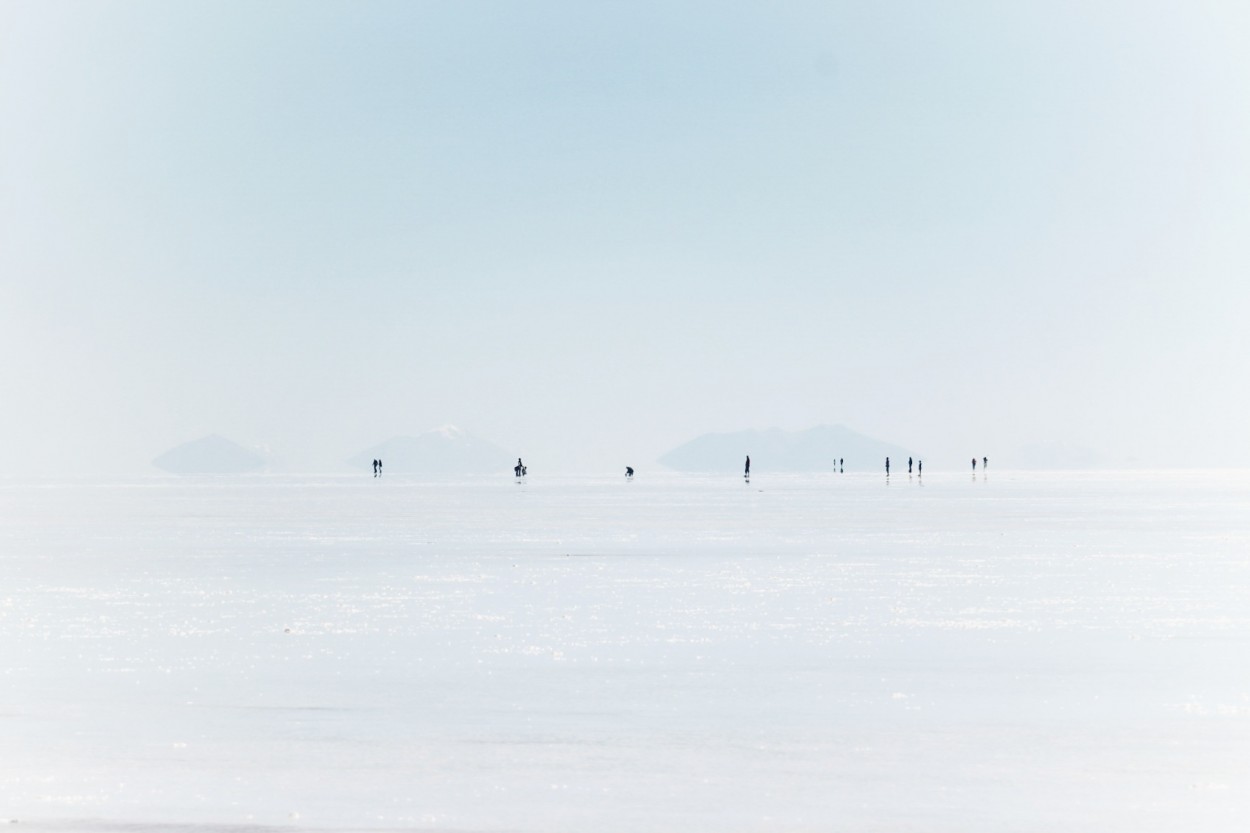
x=209, y=455
x=775, y=450
x=448, y=450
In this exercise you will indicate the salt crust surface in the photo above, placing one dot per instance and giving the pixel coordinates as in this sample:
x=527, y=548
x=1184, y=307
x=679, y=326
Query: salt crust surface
x=1017, y=652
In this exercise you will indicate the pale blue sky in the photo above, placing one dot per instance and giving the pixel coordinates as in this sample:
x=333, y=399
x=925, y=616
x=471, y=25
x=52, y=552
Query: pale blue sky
x=590, y=232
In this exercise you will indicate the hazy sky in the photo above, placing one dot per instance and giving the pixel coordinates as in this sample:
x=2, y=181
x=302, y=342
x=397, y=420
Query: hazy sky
x=592, y=231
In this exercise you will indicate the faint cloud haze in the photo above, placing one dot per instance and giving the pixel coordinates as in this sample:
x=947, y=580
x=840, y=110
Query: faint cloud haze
x=591, y=234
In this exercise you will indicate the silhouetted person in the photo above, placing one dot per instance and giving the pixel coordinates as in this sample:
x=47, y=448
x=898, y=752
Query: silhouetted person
x=375, y=468
x=985, y=463
x=840, y=462
x=379, y=467
x=919, y=468
x=747, y=471
x=887, y=466
x=629, y=471
x=974, y=464
x=909, y=465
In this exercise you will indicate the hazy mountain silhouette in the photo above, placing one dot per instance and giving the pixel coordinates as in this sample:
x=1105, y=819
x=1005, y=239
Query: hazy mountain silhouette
x=775, y=450
x=448, y=450
x=209, y=455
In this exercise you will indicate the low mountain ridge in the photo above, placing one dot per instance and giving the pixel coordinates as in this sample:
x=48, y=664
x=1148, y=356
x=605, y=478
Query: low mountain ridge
x=213, y=454
x=773, y=449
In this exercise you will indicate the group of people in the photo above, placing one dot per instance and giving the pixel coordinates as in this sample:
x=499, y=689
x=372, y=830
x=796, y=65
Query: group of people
x=919, y=464
x=985, y=464
x=838, y=465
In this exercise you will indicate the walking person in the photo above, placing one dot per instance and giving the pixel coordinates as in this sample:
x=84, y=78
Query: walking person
x=887, y=466
x=909, y=465
x=747, y=471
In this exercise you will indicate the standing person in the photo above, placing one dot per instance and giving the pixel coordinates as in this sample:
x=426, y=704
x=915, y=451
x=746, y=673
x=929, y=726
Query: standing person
x=985, y=463
x=747, y=471
x=841, y=464
x=909, y=465
x=379, y=467
x=974, y=465
x=920, y=468
x=375, y=468
x=887, y=466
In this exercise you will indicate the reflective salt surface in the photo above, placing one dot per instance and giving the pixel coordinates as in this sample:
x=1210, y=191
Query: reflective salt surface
x=1022, y=652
